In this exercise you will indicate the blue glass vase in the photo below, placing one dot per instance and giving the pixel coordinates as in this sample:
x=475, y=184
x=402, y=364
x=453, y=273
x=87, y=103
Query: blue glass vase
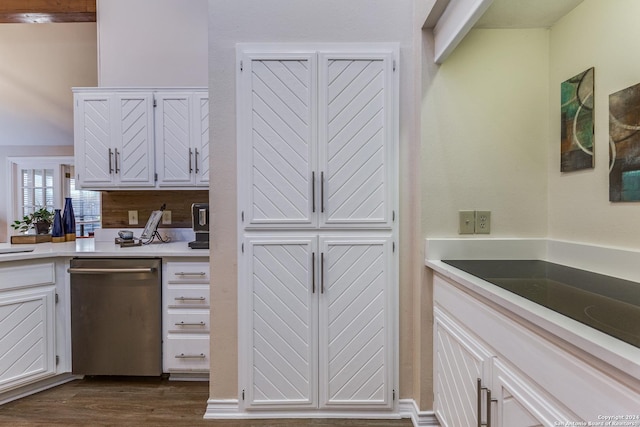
x=69, y=220
x=57, y=231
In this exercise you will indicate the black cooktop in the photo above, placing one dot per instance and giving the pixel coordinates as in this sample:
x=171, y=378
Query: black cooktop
x=606, y=303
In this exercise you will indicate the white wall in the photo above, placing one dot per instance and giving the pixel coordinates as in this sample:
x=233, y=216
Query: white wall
x=39, y=63
x=297, y=21
x=485, y=133
x=603, y=35
x=152, y=42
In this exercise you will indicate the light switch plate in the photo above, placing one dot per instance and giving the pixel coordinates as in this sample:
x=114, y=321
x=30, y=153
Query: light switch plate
x=466, y=222
x=483, y=222
x=166, y=217
x=133, y=217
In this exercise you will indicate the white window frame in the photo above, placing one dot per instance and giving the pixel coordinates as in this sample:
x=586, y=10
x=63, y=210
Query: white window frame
x=15, y=164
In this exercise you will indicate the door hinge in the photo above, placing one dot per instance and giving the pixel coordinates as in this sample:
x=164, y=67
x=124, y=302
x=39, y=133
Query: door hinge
x=393, y=246
x=243, y=394
x=242, y=246
x=155, y=177
x=57, y=298
x=242, y=216
x=393, y=216
x=155, y=103
x=394, y=394
x=241, y=69
x=394, y=65
x=57, y=360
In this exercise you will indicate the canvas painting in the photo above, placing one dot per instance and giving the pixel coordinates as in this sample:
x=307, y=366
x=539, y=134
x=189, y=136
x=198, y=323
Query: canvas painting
x=624, y=145
x=576, y=145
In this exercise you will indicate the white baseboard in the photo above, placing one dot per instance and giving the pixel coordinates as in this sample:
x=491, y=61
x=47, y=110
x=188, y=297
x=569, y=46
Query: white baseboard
x=409, y=409
x=230, y=409
x=28, y=390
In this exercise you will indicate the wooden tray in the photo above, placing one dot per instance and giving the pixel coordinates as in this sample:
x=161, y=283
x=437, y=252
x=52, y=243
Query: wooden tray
x=30, y=238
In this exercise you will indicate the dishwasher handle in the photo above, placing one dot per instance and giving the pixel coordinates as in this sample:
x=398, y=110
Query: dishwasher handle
x=84, y=270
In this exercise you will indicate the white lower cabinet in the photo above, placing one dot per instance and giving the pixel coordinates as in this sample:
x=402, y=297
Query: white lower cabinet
x=186, y=318
x=27, y=324
x=491, y=370
x=316, y=323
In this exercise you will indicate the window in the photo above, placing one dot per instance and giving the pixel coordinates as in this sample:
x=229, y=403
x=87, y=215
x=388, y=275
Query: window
x=45, y=182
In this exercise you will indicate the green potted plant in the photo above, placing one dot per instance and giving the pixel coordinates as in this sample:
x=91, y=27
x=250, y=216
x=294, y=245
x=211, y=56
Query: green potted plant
x=40, y=219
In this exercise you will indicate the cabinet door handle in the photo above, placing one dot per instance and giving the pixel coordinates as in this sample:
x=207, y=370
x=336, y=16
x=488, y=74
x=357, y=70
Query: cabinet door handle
x=488, y=408
x=189, y=324
x=110, y=162
x=313, y=272
x=190, y=166
x=196, y=160
x=322, y=192
x=190, y=356
x=189, y=298
x=116, y=157
x=186, y=273
x=313, y=191
x=322, y=272
x=479, y=395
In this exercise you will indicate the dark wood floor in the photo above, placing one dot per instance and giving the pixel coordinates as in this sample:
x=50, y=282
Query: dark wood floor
x=102, y=401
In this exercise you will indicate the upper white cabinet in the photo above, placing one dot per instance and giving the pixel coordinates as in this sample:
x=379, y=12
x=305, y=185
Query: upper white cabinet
x=141, y=138
x=182, y=138
x=113, y=135
x=317, y=132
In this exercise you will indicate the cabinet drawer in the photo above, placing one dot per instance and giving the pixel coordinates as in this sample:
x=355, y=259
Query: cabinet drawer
x=188, y=321
x=185, y=296
x=188, y=272
x=27, y=274
x=187, y=354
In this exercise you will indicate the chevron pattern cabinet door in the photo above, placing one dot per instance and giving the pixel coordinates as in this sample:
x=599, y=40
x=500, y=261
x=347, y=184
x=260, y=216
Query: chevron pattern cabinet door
x=356, y=139
x=280, y=309
x=356, y=359
x=134, y=161
x=201, y=135
x=278, y=124
x=174, y=157
x=459, y=364
x=93, y=133
x=26, y=337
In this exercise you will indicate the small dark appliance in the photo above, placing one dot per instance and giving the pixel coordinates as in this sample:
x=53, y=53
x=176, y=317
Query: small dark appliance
x=200, y=218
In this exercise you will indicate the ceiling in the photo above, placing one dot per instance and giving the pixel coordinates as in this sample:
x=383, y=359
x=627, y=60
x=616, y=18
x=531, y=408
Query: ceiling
x=525, y=13
x=45, y=11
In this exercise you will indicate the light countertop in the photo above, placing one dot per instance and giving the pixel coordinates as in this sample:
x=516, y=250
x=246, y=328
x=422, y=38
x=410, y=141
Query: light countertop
x=93, y=248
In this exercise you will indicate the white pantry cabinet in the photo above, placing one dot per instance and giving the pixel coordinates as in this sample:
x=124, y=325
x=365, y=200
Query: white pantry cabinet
x=182, y=138
x=186, y=318
x=141, y=137
x=27, y=323
x=317, y=179
x=493, y=370
x=318, y=322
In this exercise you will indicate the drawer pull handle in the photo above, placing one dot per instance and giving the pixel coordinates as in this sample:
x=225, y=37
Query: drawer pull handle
x=189, y=324
x=186, y=273
x=190, y=298
x=190, y=356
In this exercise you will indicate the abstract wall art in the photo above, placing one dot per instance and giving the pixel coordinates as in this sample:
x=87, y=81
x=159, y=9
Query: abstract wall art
x=576, y=108
x=624, y=145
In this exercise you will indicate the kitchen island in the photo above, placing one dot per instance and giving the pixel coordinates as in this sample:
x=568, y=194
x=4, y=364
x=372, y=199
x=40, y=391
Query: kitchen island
x=35, y=310
x=524, y=363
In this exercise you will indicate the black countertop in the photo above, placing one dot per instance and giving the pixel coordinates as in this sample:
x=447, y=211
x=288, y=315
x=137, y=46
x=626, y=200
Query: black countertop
x=606, y=303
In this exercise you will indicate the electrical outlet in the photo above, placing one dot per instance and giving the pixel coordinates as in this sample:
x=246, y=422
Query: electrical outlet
x=483, y=222
x=166, y=217
x=466, y=222
x=133, y=217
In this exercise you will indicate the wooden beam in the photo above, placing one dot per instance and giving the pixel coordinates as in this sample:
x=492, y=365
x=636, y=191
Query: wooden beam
x=42, y=11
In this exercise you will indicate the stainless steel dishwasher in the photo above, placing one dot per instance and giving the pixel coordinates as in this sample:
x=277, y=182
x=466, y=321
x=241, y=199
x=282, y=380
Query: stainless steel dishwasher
x=116, y=316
